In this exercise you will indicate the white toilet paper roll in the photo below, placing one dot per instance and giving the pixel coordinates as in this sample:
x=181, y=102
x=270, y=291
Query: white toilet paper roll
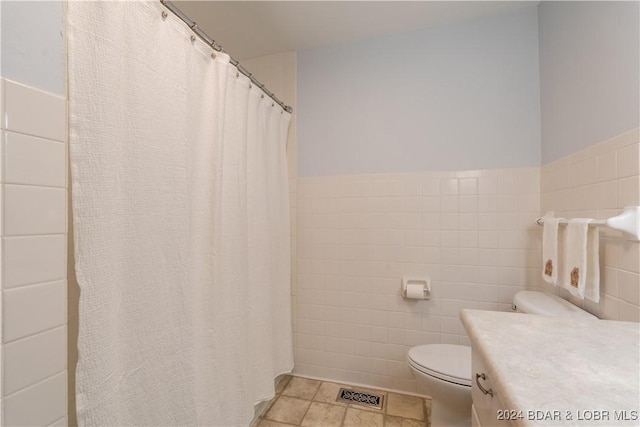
x=415, y=291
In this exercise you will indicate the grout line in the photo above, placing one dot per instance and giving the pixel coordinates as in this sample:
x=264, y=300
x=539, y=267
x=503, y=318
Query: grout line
x=61, y=418
x=18, y=184
x=307, y=411
x=344, y=417
x=61, y=325
x=13, y=132
x=34, y=283
x=34, y=235
x=48, y=282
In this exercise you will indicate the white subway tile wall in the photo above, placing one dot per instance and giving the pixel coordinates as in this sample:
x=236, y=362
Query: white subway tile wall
x=471, y=232
x=598, y=182
x=34, y=161
x=31, y=210
x=33, y=255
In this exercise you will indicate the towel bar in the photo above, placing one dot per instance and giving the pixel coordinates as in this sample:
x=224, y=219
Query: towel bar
x=628, y=222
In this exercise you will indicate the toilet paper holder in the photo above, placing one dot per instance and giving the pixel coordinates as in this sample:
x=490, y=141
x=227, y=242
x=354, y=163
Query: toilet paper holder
x=412, y=284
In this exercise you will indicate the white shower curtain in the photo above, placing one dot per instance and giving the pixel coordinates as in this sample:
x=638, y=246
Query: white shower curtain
x=181, y=222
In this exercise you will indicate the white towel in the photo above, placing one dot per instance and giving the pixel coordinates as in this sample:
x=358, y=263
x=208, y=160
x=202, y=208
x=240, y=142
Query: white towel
x=550, y=249
x=582, y=265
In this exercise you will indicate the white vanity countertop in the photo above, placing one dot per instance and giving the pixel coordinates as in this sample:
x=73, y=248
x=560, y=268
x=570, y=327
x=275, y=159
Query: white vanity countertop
x=575, y=366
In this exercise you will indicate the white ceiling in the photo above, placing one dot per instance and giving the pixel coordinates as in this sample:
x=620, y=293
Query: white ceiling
x=248, y=29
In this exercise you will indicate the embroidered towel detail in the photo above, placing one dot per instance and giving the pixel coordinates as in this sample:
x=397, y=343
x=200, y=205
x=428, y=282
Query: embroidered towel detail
x=582, y=268
x=548, y=268
x=550, y=249
x=575, y=277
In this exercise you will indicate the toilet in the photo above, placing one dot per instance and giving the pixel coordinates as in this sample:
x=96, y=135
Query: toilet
x=443, y=371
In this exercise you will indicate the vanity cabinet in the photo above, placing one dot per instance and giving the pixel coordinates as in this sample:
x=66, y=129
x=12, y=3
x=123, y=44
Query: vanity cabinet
x=487, y=409
x=513, y=351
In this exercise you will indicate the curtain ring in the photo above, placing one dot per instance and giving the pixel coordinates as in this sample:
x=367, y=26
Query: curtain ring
x=262, y=96
x=164, y=14
x=237, y=75
x=213, y=55
x=193, y=39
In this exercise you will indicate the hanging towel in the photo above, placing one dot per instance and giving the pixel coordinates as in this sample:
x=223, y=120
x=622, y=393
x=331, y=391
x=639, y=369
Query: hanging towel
x=582, y=266
x=550, y=249
x=592, y=286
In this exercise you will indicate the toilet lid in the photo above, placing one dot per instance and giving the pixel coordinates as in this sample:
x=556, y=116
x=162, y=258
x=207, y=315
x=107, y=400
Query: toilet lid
x=447, y=362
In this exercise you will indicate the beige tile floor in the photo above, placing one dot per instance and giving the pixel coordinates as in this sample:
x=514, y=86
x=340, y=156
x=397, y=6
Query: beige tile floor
x=311, y=403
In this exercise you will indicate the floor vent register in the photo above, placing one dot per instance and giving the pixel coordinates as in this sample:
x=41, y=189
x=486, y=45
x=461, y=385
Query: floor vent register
x=360, y=398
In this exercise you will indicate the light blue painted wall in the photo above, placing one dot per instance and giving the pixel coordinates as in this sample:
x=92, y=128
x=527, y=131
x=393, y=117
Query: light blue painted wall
x=32, y=44
x=589, y=73
x=460, y=96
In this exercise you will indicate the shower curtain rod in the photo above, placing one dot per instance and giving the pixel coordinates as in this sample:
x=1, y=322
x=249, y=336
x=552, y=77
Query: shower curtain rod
x=215, y=46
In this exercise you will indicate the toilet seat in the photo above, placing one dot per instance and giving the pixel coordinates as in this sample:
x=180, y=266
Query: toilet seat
x=446, y=362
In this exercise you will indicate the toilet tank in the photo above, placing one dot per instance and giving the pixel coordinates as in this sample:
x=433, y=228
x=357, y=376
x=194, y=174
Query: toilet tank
x=534, y=302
